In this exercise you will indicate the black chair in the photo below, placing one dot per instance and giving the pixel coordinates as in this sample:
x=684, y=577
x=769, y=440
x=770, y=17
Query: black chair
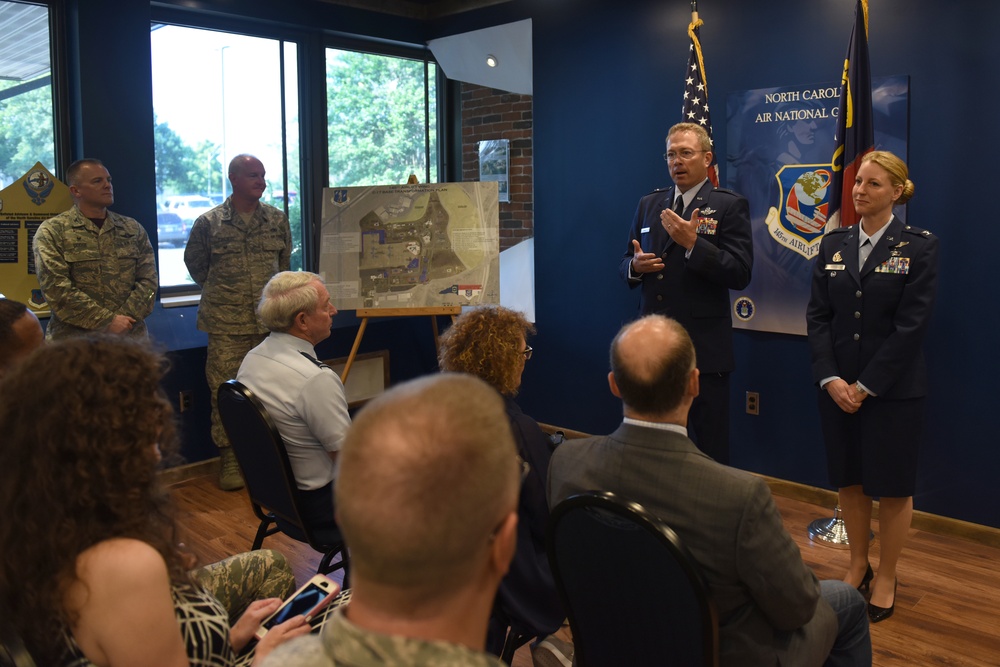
x=513, y=634
x=270, y=483
x=633, y=593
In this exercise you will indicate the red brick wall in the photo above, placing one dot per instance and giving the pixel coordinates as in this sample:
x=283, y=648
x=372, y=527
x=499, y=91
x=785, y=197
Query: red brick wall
x=488, y=113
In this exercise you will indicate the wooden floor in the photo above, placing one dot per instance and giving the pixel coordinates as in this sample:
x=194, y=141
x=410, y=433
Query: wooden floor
x=947, y=609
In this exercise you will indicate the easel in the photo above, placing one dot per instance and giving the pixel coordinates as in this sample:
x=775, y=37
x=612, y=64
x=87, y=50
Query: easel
x=366, y=313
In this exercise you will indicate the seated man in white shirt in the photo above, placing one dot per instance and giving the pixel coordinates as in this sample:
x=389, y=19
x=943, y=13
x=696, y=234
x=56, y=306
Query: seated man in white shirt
x=304, y=397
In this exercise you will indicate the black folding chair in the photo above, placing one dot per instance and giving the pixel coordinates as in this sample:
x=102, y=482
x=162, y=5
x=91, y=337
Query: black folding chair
x=633, y=593
x=270, y=483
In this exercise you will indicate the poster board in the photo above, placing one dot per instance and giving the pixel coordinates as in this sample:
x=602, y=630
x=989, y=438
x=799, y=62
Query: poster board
x=780, y=144
x=24, y=205
x=411, y=246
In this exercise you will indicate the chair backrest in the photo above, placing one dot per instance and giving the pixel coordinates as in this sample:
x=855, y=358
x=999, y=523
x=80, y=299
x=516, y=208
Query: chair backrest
x=260, y=452
x=633, y=593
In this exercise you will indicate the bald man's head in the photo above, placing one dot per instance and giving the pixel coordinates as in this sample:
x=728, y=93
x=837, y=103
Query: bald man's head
x=20, y=333
x=651, y=362
x=427, y=472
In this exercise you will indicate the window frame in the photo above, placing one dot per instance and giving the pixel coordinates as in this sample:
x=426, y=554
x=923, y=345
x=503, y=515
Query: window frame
x=312, y=126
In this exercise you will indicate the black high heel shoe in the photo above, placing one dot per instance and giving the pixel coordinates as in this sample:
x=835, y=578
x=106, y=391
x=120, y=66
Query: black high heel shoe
x=866, y=581
x=877, y=614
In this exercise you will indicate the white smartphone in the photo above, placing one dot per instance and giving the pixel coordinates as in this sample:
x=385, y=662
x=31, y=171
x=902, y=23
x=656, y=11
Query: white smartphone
x=307, y=601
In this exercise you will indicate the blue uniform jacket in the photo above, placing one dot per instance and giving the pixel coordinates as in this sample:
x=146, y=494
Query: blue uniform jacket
x=695, y=291
x=869, y=325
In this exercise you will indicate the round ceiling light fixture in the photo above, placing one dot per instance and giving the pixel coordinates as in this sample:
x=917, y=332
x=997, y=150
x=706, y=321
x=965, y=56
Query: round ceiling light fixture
x=491, y=60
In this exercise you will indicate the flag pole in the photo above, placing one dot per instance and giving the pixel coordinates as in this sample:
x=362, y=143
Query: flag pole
x=695, y=106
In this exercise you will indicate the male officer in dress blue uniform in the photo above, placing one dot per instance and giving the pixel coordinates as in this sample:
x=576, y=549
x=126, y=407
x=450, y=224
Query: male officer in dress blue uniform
x=687, y=247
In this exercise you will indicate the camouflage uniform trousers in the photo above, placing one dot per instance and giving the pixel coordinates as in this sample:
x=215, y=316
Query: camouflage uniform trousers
x=241, y=579
x=225, y=354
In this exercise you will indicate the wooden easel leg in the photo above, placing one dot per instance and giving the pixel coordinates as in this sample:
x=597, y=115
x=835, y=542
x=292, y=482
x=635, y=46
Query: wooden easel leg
x=354, y=350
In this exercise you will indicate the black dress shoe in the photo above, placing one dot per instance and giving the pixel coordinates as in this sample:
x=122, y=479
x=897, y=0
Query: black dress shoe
x=866, y=581
x=877, y=614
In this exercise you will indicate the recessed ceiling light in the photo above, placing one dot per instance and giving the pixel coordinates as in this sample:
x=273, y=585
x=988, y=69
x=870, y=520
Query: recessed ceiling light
x=491, y=60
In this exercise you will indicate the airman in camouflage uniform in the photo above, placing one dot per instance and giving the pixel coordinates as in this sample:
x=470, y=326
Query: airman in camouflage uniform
x=232, y=252
x=427, y=502
x=343, y=643
x=96, y=276
x=239, y=580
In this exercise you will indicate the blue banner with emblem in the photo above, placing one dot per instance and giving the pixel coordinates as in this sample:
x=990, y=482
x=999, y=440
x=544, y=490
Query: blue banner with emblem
x=779, y=147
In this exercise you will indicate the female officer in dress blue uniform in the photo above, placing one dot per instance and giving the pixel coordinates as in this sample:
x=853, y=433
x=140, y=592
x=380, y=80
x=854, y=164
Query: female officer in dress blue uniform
x=873, y=288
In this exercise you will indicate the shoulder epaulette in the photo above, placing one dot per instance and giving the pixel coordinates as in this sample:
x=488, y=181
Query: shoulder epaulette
x=840, y=230
x=318, y=363
x=910, y=229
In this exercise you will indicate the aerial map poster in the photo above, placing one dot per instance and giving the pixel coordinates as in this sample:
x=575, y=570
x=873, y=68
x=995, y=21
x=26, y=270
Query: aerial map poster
x=419, y=246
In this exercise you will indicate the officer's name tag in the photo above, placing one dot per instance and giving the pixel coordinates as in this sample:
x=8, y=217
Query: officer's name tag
x=644, y=230
x=834, y=267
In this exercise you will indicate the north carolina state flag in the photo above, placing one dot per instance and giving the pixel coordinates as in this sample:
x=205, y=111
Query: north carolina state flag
x=855, y=130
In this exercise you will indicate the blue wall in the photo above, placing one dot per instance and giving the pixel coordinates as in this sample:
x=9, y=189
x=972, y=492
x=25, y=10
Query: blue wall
x=607, y=86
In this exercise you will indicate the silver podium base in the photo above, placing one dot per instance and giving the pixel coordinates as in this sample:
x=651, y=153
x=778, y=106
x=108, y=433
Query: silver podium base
x=831, y=531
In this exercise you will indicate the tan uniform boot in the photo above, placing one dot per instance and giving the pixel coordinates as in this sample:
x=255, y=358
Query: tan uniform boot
x=229, y=471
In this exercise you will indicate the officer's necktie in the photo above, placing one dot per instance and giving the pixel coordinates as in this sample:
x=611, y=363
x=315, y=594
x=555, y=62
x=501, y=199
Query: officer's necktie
x=863, y=252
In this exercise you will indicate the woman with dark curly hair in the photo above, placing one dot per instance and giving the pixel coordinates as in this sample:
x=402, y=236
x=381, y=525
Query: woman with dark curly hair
x=91, y=571
x=490, y=342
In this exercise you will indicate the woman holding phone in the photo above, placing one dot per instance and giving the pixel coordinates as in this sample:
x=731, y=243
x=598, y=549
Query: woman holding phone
x=91, y=572
x=873, y=288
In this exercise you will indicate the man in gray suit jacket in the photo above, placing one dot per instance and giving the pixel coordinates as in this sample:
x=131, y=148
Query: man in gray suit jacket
x=772, y=609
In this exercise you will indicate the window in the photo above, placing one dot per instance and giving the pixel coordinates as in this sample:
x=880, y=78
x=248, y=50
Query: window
x=381, y=119
x=26, y=134
x=217, y=95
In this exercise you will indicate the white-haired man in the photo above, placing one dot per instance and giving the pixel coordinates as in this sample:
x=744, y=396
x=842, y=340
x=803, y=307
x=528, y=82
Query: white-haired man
x=303, y=396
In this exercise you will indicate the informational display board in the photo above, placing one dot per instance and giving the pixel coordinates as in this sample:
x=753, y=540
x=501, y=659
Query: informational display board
x=411, y=246
x=780, y=144
x=24, y=205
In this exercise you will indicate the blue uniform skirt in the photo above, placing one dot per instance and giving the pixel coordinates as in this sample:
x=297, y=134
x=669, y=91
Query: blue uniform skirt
x=876, y=447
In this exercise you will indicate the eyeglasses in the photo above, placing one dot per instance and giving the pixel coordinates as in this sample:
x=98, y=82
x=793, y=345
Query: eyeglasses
x=683, y=155
x=527, y=352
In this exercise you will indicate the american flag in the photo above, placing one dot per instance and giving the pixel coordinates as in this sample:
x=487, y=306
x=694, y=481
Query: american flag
x=855, y=126
x=695, y=108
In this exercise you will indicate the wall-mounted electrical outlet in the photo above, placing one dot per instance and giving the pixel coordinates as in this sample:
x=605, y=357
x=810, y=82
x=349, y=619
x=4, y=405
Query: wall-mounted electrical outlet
x=186, y=401
x=753, y=403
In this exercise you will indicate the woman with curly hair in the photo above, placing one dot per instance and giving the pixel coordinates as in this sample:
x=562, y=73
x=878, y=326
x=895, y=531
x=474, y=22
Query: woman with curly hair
x=490, y=342
x=91, y=572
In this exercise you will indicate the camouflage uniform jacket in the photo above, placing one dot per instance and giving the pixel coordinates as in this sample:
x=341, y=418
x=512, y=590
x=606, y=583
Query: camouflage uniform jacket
x=232, y=261
x=343, y=643
x=90, y=275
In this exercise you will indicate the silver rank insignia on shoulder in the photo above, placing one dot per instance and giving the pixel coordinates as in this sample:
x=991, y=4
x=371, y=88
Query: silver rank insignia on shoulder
x=837, y=257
